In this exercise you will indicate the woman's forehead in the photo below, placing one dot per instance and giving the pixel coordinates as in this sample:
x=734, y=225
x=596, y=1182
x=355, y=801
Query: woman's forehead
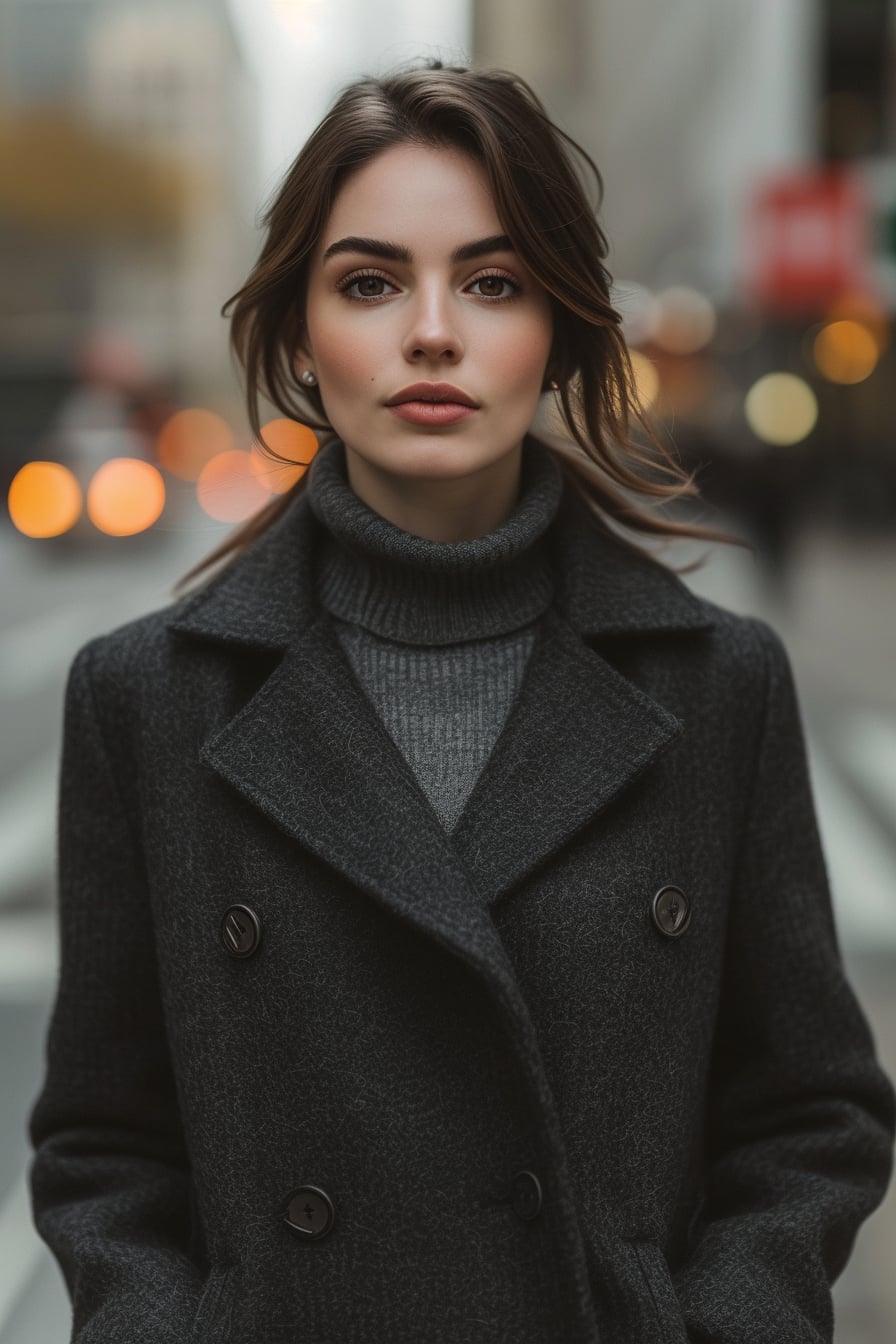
x=421, y=197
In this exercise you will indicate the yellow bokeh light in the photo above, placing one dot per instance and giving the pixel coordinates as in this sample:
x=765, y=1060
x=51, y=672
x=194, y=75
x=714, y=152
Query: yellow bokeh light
x=125, y=496
x=781, y=408
x=845, y=351
x=230, y=487
x=289, y=439
x=189, y=439
x=44, y=499
x=647, y=379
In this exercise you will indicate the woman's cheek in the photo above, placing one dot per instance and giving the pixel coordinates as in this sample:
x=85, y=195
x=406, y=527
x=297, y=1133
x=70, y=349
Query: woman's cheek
x=525, y=345
x=520, y=363
x=346, y=359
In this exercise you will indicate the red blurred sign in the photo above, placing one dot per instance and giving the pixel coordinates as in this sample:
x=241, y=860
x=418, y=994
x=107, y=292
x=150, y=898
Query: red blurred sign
x=809, y=238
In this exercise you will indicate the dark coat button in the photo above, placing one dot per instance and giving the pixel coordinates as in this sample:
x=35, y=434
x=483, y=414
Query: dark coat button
x=671, y=911
x=240, y=931
x=309, y=1211
x=526, y=1194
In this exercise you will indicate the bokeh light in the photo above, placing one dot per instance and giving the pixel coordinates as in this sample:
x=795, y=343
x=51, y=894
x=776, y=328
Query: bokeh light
x=647, y=378
x=231, y=487
x=845, y=351
x=686, y=320
x=781, y=408
x=190, y=439
x=125, y=496
x=859, y=307
x=44, y=499
x=289, y=439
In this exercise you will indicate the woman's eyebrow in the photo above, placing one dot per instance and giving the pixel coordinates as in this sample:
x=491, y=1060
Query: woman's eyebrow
x=498, y=242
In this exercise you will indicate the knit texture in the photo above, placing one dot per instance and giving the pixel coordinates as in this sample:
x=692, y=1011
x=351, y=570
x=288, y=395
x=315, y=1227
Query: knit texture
x=438, y=634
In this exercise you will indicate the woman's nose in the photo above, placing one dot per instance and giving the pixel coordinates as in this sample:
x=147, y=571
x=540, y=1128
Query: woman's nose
x=432, y=330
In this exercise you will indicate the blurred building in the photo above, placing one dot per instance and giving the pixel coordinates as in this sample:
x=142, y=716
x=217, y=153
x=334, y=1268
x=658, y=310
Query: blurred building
x=171, y=84
x=127, y=197
x=681, y=105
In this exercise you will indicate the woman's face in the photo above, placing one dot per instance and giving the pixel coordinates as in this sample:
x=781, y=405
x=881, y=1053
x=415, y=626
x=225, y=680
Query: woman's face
x=412, y=281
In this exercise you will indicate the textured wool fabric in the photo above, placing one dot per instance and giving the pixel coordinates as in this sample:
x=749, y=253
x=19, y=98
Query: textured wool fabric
x=438, y=634
x=426, y=1016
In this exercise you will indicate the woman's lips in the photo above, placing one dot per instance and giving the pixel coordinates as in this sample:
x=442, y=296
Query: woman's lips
x=432, y=412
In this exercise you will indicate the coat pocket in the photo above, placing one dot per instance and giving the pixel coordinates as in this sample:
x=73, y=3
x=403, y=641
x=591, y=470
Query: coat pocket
x=212, y=1319
x=660, y=1293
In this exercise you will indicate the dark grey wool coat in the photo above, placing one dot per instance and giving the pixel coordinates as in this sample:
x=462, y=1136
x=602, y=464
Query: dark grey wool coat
x=429, y=1089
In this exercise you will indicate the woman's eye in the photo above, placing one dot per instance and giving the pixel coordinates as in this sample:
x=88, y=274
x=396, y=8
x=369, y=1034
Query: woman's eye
x=365, y=286
x=493, y=286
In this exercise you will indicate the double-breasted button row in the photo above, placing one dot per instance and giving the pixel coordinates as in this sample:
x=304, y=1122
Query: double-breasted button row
x=670, y=910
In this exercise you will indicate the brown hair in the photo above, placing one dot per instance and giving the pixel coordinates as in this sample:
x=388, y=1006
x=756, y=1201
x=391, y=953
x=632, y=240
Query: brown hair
x=496, y=117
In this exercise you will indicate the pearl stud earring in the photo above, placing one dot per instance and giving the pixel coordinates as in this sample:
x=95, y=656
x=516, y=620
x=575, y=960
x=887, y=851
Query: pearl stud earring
x=308, y=378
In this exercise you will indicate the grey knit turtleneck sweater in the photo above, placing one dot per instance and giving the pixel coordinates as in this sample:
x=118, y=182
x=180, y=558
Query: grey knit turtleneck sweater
x=437, y=633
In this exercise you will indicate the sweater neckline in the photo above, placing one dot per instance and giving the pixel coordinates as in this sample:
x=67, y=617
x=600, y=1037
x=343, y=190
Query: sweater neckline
x=403, y=587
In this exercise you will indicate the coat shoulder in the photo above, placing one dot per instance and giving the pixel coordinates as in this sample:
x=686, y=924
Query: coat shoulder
x=742, y=653
x=134, y=653
x=745, y=637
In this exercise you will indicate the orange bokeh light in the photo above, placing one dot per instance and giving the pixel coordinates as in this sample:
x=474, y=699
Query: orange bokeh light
x=125, y=496
x=864, y=308
x=845, y=351
x=230, y=487
x=44, y=499
x=289, y=439
x=190, y=439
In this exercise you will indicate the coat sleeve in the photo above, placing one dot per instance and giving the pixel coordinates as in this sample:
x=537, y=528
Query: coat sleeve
x=109, y=1179
x=800, y=1115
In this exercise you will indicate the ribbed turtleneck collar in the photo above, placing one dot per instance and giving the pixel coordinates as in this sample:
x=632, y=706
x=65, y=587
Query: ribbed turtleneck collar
x=416, y=591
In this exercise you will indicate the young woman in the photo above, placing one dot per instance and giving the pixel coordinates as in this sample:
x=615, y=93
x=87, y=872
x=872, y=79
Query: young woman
x=447, y=947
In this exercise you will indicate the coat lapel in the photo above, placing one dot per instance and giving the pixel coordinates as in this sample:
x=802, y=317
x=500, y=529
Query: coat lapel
x=577, y=735
x=579, y=732
x=309, y=750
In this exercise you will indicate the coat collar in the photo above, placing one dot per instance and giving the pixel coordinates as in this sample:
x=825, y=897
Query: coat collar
x=309, y=750
x=265, y=597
